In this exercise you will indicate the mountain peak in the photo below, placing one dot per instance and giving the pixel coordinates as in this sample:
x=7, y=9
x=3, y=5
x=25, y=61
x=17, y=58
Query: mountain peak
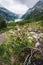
x=37, y=9
x=41, y=0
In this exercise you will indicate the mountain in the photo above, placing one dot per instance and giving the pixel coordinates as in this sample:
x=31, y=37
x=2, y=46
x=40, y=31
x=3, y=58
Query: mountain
x=39, y=5
x=6, y=14
x=27, y=13
x=35, y=12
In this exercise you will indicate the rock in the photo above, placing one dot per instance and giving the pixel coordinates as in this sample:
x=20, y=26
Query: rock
x=41, y=35
x=29, y=29
x=33, y=33
x=10, y=31
x=36, y=36
x=18, y=29
x=31, y=38
x=37, y=44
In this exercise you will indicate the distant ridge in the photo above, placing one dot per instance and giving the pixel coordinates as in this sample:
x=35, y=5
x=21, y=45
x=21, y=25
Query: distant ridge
x=7, y=15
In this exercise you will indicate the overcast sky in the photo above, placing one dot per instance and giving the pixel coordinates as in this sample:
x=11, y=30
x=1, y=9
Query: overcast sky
x=18, y=6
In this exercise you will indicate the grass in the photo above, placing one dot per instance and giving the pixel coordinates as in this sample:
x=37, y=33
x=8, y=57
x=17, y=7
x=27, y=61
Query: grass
x=16, y=40
x=21, y=23
x=6, y=29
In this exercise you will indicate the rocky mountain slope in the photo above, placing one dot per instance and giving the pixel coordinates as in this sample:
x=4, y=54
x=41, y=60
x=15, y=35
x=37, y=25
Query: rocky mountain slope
x=6, y=14
x=36, y=11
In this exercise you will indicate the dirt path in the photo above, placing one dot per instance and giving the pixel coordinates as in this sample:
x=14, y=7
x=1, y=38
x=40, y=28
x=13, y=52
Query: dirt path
x=2, y=37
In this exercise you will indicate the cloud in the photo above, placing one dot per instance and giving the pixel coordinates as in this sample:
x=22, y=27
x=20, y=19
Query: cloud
x=18, y=6
x=14, y=6
x=29, y=3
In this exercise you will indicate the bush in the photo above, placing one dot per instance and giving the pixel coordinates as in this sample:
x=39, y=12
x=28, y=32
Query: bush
x=11, y=23
x=41, y=23
x=2, y=50
x=23, y=22
x=2, y=23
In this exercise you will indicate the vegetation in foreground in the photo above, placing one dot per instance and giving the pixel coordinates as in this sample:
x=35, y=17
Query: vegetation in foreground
x=19, y=37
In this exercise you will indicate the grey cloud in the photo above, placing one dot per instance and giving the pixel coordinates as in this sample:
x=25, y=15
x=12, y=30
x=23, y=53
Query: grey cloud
x=29, y=3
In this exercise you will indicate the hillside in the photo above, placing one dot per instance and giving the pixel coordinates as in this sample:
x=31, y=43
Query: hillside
x=7, y=15
x=35, y=13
